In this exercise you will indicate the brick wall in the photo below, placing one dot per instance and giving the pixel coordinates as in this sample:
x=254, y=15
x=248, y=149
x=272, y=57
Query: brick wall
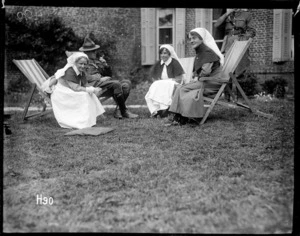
x=189, y=25
x=261, y=49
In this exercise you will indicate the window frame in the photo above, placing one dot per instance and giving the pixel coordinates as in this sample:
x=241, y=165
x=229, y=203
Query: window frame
x=166, y=27
x=213, y=22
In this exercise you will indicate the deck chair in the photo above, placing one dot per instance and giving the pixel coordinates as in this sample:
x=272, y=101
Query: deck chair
x=36, y=75
x=187, y=63
x=232, y=59
x=102, y=99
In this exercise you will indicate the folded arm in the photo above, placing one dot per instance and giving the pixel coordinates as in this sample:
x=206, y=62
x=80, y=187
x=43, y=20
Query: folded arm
x=205, y=72
x=74, y=86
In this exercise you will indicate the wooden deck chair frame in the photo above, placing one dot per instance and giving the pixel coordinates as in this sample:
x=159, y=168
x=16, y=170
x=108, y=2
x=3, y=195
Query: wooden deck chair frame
x=232, y=59
x=36, y=75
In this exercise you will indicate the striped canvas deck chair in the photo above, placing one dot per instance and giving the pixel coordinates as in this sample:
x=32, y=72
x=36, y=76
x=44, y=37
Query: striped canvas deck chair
x=232, y=59
x=36, y=75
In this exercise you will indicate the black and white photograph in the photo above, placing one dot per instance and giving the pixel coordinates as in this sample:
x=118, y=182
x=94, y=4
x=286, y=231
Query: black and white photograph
x=164, y=119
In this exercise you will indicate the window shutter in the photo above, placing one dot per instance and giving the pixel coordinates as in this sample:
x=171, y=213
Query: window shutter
x=282, y=33
x=203, y=18
x=276, y=35
x=148, y=35
x=287, y=34
x=180, y=32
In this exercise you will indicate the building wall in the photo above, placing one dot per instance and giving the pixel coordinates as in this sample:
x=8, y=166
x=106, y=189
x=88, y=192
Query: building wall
x=126, y=23
x=190, y=24
x=261, y=49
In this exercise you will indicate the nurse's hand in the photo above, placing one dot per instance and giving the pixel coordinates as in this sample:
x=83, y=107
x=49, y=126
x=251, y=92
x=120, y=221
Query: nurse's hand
x=98, y=92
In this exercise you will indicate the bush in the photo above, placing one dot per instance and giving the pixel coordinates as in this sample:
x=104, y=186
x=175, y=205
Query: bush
x=45, y=40
x=275, y=86
x=249, y=83
x=107, y=44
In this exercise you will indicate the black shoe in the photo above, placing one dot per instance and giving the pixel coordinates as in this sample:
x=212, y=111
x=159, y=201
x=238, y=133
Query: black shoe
x=128, y=114
x=177, y=117
x=183, y=120
x=117, y=113
x=163, y=113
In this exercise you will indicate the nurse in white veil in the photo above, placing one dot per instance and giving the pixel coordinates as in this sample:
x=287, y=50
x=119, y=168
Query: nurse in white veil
x=74, y=102
x=166, y=73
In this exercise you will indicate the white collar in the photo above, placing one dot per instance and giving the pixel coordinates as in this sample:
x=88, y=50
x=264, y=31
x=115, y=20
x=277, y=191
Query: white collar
x=76, y=70
x=167, y=62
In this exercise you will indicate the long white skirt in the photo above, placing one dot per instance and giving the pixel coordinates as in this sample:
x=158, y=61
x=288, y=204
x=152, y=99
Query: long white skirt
x=159, y=95
x=75, y=109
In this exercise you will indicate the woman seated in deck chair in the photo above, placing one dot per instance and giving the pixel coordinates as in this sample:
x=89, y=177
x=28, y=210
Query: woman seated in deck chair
x=187, y=103
x=75, y=104
x=166, y=73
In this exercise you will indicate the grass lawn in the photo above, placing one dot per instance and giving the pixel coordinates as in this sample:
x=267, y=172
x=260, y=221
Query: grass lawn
x=234, y=174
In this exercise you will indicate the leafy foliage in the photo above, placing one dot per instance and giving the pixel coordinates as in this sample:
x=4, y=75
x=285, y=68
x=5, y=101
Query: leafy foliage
x=107, y=43
x=275, y=86
x=45, y=40
x=249, y=83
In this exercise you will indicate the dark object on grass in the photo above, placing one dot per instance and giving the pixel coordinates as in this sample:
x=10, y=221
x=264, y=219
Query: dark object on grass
x=6, y=124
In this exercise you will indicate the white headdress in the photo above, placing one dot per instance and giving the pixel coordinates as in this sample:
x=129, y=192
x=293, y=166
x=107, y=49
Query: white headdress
x=71, y=63
x=209, y=41
x=172, y=52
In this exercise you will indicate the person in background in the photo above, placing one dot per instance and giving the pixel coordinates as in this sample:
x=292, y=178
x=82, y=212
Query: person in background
x=166, y=74
x=187, y=103
x=238, y=26
x=99, y=75
x=75, y=104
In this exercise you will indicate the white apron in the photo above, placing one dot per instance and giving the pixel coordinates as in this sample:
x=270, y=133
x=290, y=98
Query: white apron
x=75, y=109
x=159, y=95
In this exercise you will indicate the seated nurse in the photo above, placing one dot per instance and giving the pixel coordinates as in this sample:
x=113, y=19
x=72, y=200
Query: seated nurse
x=166, y=73
x=75, y=103
x=187, y=103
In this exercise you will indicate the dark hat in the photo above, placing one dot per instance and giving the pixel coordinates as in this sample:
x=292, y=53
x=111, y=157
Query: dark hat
x=88, y=45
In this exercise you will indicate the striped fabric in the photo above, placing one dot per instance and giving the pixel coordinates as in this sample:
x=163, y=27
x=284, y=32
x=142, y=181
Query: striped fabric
x=33, y=71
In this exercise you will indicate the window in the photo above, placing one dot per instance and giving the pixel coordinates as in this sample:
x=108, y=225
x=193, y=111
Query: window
x=165, y=26
x=206, y=18
x=162, y=26
x=218, y=32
